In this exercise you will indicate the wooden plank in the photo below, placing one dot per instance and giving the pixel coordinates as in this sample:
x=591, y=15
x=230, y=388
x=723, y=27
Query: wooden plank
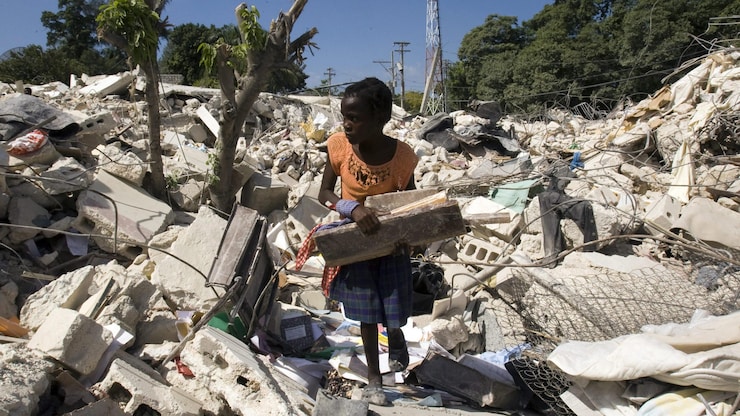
x=347, y=244
x=387, y=202
x=487, y=218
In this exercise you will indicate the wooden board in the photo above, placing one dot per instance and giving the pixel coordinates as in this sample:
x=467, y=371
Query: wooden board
x=347, y=244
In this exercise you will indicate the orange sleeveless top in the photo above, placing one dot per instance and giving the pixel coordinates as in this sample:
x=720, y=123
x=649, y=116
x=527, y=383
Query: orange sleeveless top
x=360, y=180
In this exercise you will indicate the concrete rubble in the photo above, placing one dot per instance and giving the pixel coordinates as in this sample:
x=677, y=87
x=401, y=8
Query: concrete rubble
x=106, y=305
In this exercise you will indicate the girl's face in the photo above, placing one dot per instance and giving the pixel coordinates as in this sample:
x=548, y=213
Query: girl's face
x=359, y=121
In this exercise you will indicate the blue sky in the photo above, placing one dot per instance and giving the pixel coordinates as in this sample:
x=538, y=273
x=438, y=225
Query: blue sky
x=354, y=35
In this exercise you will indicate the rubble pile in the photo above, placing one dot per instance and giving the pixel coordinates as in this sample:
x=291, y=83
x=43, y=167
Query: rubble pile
x=116, y=302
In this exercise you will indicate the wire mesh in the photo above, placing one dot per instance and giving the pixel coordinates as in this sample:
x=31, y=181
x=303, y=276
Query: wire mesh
x=546, y=307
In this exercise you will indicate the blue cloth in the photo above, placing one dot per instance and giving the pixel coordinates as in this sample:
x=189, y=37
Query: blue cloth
x=576, y=162
x=345, y=207
x=334, y=224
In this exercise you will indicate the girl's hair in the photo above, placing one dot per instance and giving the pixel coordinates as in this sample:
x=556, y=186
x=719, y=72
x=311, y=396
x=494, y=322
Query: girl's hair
x=377, y=94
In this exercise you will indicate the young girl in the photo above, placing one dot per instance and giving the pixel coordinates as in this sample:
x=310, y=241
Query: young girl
x=370, y=163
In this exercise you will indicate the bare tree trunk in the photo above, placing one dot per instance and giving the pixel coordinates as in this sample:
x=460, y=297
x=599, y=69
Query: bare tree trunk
x=236, y=106
x=158, y=187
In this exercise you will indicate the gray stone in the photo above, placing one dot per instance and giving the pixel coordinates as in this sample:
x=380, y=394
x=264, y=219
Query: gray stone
x=69, y=290
x=124, y=165
x=65, y=175
x=133, y=214
x=184, y=284
x=25, y=212
x=24, y=378
x=73, y=339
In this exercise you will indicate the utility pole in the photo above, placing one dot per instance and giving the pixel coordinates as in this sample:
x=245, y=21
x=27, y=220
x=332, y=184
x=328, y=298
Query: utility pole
x=330, y=73
x=402, y=49
x=392, y=84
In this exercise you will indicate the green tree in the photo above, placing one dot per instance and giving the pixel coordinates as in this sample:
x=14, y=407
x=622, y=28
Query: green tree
x=135, y=26
x=73, y=32
x=30, y=64
x=584, y=51
x=657, y=37
x=413, y=101
x=181, y=56
x=247, y=66
x=72, y=28
x=486, y=48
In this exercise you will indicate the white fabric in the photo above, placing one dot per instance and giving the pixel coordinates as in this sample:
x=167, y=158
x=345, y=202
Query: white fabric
x=705, y=354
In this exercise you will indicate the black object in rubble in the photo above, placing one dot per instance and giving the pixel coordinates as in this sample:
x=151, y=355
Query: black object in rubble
x=429, y=285
x=540, y=386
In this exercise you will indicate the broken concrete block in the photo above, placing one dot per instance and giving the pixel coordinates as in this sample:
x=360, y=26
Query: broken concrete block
x=100, y=123
x=69, y=291
x=195, y=158
x=137, y=391
x=73, y=339
x=487, y=168
x=264, y=194
x=498, y=226
x=62, y=224
x=31, y=190
x=303, y=217
x=197, y=133
x=207, y=118
x=133, y=297
x=183, y=284
x=226, y=367
x=156, y=327
x=124, y=165
x=109, y=85
x=25, y=377
x=65, y=175
x=347, y=244
x=136, y=215
x=172, y=140
x=24, y=211
x=448, y=332
x=506, y=231
x=189, y=195
x=662, y=213
x=478, y=251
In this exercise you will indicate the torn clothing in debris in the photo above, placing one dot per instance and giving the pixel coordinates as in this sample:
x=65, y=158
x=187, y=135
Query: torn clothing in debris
x=555, y=206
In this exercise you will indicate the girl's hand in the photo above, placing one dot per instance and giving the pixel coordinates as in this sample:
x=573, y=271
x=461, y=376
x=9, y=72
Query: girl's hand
x=365, y=219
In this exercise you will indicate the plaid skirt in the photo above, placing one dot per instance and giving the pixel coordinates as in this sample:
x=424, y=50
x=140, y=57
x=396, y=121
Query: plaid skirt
x=376, y=291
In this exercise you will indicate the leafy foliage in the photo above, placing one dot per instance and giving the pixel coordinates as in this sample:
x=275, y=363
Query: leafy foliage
x=182, y=53
x=250, y=38
x=578, y=51
x=72, y=29
x=72, y=45
x=254, y=36
x=136, y=23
